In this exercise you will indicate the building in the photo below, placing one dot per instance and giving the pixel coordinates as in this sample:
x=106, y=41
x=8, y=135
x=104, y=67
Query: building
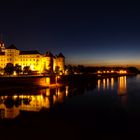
x=35, y=60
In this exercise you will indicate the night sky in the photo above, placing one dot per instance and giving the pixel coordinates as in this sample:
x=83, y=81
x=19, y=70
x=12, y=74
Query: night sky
x=89, y=34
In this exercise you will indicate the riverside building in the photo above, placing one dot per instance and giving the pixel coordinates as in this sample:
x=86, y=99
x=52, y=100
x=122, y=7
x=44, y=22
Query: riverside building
x=35, y=60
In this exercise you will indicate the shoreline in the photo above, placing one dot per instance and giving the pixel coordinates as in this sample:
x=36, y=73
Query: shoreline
x=27, y=83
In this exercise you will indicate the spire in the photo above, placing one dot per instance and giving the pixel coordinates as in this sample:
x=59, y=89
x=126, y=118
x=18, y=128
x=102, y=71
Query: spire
x=2, y=46
x=60, y=55
x=1, y=39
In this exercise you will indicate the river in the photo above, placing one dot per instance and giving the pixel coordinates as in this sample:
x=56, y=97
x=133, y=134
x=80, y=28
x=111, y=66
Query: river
x=106, y=108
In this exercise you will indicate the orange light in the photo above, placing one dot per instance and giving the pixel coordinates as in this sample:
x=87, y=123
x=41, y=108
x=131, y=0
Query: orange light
x=122, y=71
x=98, y=71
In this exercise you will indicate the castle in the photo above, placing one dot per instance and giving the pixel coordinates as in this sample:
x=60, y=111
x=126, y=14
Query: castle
x=36, y=61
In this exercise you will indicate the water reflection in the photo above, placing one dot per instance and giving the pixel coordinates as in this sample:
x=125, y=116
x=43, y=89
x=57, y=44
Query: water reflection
x=10, y=106
x=108, y=84
x=105, y=84
x=99, y=84
x=122, y=85
x=122, y=91
x=67, y=89
x=114, y=84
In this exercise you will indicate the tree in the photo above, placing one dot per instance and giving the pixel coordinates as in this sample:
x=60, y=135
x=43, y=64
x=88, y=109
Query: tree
x=18, y=69
x=133, y=70
x=57, y=69
x=9, y=102
x=69, y=68
x=9, y=69
x=26, y=70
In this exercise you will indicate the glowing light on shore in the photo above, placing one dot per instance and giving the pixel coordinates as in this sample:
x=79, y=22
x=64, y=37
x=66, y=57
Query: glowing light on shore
x=112, y=71
x=122, y=72
x=14, y=73
x=99, y=72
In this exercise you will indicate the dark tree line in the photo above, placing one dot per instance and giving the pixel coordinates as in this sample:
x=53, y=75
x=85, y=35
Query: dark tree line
x=80, y=69
x=10, y=69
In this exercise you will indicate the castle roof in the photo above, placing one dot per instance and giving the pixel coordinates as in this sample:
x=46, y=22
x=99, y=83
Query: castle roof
x=49, y=54
x=2, y=53
x=60, y=55
x=12, y=47
x=29, y=52
x=1, y=42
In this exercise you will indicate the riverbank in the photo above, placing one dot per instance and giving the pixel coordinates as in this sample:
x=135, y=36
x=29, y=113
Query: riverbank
x=23, y=83
x=92, y=76
x=27, y=83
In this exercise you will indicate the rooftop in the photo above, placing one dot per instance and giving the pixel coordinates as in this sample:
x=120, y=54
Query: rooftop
x=12, y=47
x=60, y=55
x=2, y=53
x=28, y=52
x=49, y=54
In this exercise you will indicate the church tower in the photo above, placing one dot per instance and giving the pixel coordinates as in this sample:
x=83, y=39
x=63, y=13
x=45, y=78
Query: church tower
x=2, y=46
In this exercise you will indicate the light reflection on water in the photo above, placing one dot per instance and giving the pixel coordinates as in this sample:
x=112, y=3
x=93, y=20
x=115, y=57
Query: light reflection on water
x=10, y=106
x=108, y=83
x=122, y=88
x=114, y=85
x=105, y=84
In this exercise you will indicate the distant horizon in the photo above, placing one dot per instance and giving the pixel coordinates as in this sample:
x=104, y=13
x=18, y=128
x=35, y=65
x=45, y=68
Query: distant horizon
x=68, y=60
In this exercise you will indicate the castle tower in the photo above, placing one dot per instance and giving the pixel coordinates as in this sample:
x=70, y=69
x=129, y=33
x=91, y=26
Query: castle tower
x=60, y=62
x=12, y=54
x=49, y=61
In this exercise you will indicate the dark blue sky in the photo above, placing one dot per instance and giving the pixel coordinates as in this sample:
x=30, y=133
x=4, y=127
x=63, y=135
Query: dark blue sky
x=85, y=33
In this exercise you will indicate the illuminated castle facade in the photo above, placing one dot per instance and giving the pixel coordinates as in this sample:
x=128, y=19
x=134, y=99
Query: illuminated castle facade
x=33, y=59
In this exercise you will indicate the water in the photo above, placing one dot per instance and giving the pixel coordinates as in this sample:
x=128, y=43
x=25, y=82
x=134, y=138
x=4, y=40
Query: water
x=96, y=109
